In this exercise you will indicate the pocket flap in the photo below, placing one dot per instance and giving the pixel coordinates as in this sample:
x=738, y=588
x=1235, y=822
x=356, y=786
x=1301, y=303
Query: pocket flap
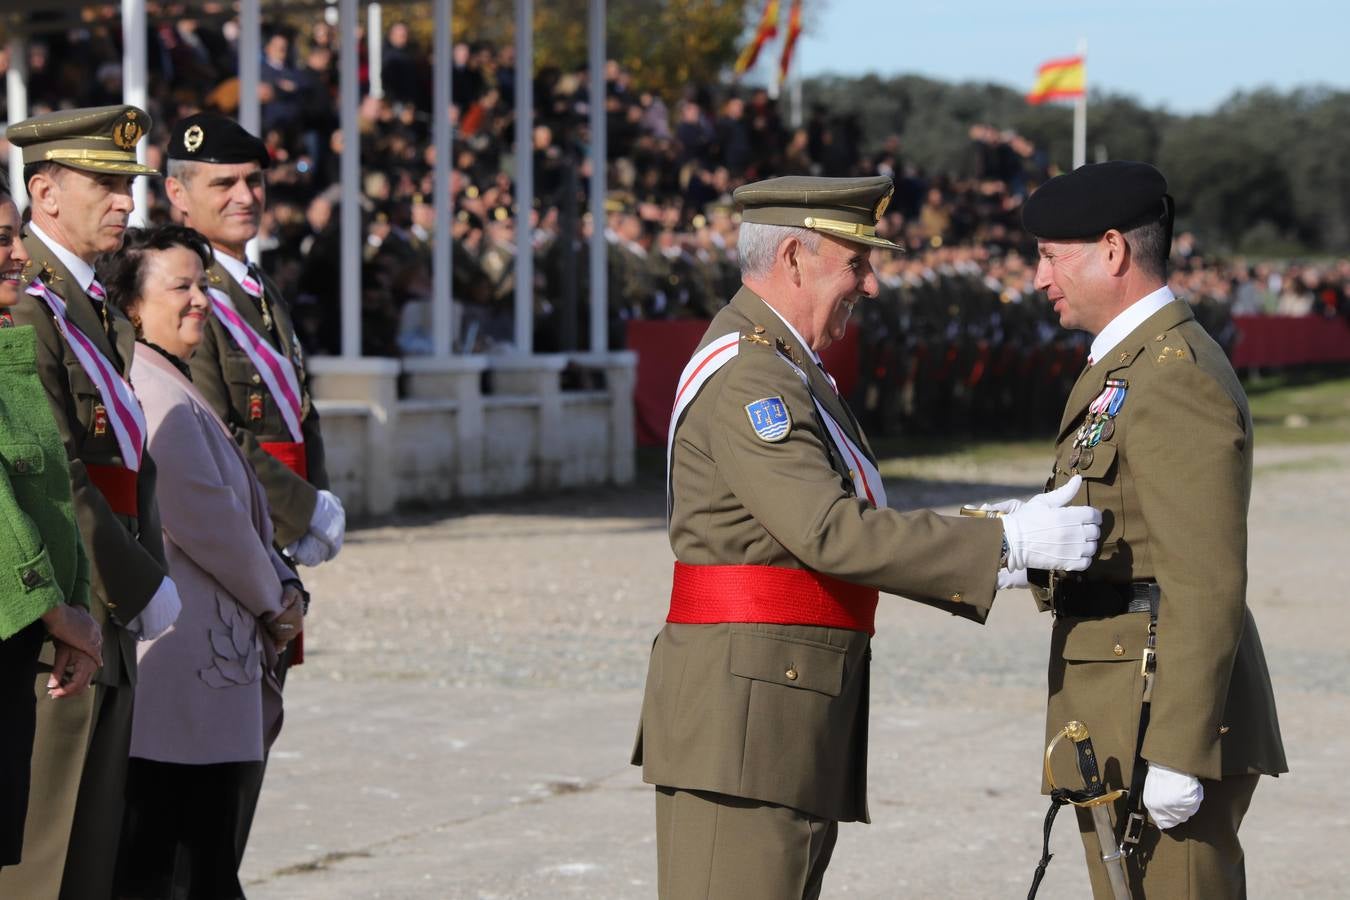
x=1106, y=640
x=22, y=458
x=238, y=369
x=791, y=663
x=1103, y=458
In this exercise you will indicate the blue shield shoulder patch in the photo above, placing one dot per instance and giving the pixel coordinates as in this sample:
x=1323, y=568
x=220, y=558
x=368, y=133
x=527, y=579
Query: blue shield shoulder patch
x=769, y=417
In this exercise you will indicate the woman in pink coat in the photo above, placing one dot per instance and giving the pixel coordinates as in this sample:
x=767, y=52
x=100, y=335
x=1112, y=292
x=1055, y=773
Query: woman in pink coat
x=208, y=704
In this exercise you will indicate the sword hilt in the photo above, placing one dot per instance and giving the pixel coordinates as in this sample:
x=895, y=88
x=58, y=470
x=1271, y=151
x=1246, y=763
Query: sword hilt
x=1094, y=792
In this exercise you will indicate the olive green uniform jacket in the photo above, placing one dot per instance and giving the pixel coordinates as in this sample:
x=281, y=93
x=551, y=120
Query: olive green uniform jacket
x=720, y=713
x=1172, y=481
x=126, y=555
x=229, y=381
x=42, y=559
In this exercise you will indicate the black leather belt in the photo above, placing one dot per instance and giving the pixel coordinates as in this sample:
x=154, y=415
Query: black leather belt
x=1081, y=599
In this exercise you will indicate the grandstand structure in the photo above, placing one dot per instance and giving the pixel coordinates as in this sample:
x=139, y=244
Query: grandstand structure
x=463, y=425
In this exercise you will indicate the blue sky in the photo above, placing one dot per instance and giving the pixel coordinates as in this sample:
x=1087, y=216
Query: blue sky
x=1187, y=55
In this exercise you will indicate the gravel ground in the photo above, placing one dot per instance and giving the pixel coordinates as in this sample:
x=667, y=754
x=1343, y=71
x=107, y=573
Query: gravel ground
x=463, y=722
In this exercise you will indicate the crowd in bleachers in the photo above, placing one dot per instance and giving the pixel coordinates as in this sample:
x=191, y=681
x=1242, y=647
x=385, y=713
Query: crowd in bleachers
x=671, y=165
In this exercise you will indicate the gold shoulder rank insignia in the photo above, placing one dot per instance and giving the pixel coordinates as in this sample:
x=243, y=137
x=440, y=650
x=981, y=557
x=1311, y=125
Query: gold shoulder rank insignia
x=755, y=338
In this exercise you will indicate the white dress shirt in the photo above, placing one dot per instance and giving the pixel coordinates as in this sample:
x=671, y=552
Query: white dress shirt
x=1129, y=319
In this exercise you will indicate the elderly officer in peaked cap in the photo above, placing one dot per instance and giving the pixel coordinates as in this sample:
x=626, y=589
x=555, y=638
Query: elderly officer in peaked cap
x=1158, y=430
x=78, y=166
x=250, y=366
x=754, y=723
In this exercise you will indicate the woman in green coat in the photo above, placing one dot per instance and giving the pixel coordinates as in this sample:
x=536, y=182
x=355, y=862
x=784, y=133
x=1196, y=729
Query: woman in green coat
x=44, y=575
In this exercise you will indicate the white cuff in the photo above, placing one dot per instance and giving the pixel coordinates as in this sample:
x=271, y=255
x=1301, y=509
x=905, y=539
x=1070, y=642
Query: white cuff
x=161, y=612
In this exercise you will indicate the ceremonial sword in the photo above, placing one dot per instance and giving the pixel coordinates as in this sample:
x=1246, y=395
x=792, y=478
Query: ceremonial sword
x=1093, y=797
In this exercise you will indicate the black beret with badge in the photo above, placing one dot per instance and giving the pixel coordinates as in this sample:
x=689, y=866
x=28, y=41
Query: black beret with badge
x=98, y=139
x=213, y=138
x=1093, y=199
x=845, y=208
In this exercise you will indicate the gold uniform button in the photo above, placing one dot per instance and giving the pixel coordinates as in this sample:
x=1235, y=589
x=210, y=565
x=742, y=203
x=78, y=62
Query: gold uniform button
x=791, y=673
x=1223, y=729
x=32, y=578
x=1118, y=650
x=956, y=598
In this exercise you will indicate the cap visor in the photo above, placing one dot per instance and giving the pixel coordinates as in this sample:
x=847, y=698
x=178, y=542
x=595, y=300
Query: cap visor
x=864, y=239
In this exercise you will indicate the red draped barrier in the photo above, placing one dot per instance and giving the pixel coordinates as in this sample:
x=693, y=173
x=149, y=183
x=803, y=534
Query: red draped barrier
x=1274, y=341
x=664, y=347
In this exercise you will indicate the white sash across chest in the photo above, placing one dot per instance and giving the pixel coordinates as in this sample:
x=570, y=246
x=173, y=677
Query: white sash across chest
x=277, y=371
x=124, y=410
x=708, y=361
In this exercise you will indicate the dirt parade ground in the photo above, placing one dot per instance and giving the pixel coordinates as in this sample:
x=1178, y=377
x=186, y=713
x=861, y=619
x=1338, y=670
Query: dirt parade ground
x=463, y=723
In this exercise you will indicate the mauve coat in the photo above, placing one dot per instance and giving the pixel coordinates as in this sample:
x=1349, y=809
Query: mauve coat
x=208, y=691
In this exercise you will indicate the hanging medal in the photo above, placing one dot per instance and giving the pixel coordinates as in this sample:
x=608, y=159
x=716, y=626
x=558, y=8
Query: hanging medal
x=255, y=407
x=100, y=420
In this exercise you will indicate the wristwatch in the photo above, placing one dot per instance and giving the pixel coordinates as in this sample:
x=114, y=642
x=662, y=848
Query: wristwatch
x=1003, y=554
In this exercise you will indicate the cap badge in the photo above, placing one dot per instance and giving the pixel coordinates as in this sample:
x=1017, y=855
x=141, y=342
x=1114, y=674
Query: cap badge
x=192, y=139
x=126, y=134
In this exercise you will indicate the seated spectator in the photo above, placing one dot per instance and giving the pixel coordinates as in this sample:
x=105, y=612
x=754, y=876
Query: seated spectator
x=39, y=544
x=208, y=703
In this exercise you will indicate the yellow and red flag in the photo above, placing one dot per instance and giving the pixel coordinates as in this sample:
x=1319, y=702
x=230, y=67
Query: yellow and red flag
x=1060, y=79
x=767, y=30
x=794, y=30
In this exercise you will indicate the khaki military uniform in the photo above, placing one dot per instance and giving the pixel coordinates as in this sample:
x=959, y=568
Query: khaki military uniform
x=763, y=728
x=82, y=743
x=1172, y=476
x=227, y=378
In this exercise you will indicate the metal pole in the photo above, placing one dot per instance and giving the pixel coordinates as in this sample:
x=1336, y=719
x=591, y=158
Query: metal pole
x=1080, y=114
x=524, y=309
x=250, y=66
x=16, y=98
x=375, y=48
x=599, y=249
x=351, y=181
x=134, y=92
x=442, y=258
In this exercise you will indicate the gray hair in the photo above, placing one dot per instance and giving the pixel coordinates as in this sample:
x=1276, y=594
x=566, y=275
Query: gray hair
x=757, y=244
x=1149, y=249
x=181, y=169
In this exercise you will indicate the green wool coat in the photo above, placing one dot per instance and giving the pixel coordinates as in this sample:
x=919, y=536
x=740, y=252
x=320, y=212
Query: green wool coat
x=42, y=559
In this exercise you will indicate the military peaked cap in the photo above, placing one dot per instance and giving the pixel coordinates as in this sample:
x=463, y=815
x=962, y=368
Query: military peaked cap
x=99, y=139
x=213, y=138
x=846, y=208
x=1089, y=201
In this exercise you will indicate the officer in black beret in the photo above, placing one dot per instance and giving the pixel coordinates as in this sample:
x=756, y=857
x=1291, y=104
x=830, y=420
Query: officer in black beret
x=1153, y=646
x=250, y=366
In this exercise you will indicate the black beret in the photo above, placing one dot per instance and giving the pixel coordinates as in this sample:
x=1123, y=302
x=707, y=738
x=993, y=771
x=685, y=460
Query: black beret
x=213, y=138
x=1090, y=200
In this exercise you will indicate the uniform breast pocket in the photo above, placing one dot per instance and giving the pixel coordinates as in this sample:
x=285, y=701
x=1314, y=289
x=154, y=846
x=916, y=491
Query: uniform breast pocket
x=247, y=393
x=1101, y=479
x=790, y=662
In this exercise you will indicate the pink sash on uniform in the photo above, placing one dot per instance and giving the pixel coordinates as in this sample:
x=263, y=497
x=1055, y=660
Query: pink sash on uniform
x=277, y=372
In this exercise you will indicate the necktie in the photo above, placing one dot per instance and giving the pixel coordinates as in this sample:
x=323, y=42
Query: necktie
x=252, y=282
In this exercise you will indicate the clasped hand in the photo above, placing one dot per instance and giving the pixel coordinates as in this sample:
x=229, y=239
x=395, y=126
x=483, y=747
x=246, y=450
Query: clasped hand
x=1046, y=533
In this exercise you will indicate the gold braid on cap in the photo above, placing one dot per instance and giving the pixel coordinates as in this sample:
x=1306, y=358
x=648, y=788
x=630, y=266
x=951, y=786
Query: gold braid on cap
x=834, y=225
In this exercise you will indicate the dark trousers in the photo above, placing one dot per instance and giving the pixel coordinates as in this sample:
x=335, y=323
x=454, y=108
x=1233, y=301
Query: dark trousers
x=18, y=720
x=178, y=837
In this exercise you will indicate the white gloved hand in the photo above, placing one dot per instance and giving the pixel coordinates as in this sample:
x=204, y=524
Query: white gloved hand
x=1011, y=578
x=1171, y=797
x=161, y=612
x=1061, y=539
x=329, y=522
x=1053, y=499
x=309, y=551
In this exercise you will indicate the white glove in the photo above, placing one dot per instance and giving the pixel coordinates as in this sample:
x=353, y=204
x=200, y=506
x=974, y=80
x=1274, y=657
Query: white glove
x=161, y=612
x=1049, y=535
x=309, y=551
x=1011, y=578
x=329, y=522
x=1171, y=797
x=1053, y=499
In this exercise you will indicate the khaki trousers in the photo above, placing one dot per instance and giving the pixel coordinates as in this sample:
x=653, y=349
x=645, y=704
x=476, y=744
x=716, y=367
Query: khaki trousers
x=1200, y=859
x=716, y=847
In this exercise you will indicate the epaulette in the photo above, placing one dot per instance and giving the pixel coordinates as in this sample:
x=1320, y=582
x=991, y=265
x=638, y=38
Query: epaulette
x=1169, y=347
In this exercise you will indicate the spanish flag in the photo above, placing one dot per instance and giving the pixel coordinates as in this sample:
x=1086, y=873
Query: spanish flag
x=1059, y=79
x=767, y=30
x=794, y=31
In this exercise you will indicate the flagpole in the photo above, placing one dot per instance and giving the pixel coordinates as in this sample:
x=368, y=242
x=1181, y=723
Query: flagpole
x=1080, y=114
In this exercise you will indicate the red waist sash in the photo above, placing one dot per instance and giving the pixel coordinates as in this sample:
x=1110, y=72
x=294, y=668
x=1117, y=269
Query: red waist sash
x=707, y=595
x=117, y=484
x=291, y=454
